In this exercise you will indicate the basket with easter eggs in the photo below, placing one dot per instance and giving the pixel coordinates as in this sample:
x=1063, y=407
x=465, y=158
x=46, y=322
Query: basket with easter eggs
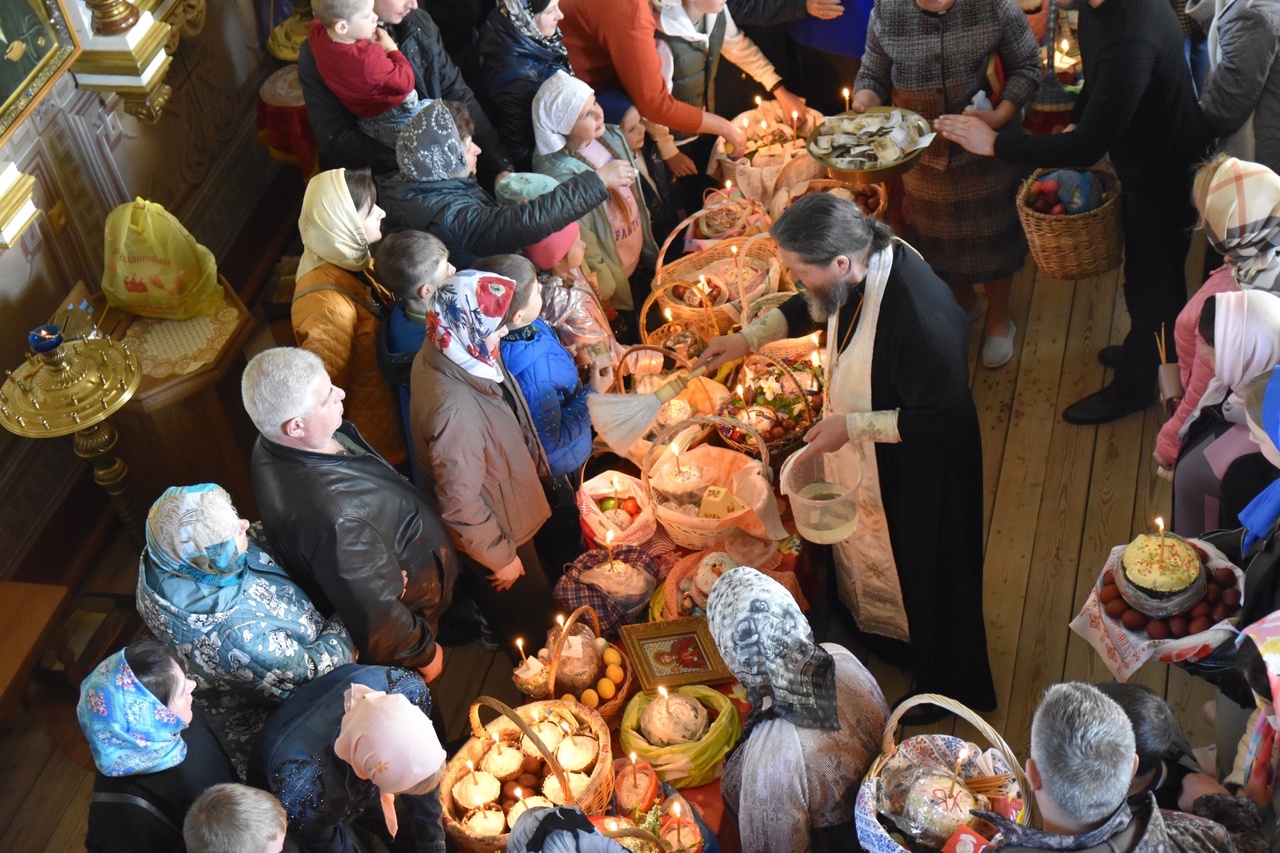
x=614, y=505
x=777, y=400
x=689, y=582
x=734, y=270
x=688, y=336
x=540, y=755
x=1164, y=596
x=667, y=821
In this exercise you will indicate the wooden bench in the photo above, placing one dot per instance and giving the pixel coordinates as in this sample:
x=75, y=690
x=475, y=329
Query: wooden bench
x=30, y=615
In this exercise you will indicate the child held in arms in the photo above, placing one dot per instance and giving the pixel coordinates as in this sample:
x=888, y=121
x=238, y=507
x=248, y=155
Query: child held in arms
x=659, y=193
x=363, y=68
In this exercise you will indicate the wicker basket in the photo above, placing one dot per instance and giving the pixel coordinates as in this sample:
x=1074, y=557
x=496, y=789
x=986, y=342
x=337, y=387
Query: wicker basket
x=687, y=535
x=610, y=711
x=700, y=320
x=784, y=199
x=792, y=441
x=594, y=799
x=1075, y=245
x=800, y=170
x=686, y=269
x=871, y=835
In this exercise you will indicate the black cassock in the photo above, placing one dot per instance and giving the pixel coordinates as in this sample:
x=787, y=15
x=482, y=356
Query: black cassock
x=930, y=482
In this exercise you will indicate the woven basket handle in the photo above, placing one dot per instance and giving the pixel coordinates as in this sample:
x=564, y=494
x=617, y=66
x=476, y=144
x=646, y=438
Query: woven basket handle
x=790, y=374
x=482, y=734
x=672, y=431
x=708, y=308
x=562, y=639
x=693, y=217
x=888, y=746
x=681, y=363
x=634, y=832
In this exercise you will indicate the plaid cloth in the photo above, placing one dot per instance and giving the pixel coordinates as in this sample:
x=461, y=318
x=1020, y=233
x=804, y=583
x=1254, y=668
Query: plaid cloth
x=571, y=593
x=1241, y=211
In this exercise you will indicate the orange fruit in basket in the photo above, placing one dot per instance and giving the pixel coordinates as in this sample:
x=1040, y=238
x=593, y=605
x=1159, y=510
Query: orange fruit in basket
x=611, y=656
x=613, y=672
x=568, y=697
x=607, y=689
x=590, y=698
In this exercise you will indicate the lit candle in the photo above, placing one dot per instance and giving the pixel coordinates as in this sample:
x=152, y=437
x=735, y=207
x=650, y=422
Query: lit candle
x=497, y=743
x=728, y=185
x=814, y=360
x=739, y=390
x=471, y=768
x=1160, y=527
x=615, y=488
x=608, y=543
x=633, y=768
x=560, y=620
x=764, y=125
x=845, y=92
x=960, y=757
x=702, y=284
x=675, y=451
x=611, y=825
x=666, y=698
x=795, y=121
x=675, y=810
x=520, y=796
x=737, y=271
x=746, y=122
x=759, y=100
x=666, y=312
x=520, y=647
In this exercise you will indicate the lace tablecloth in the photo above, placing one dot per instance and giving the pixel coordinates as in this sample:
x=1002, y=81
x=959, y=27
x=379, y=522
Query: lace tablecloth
x=179, y=347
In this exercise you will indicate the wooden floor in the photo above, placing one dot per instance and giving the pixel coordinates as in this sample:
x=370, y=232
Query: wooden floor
x=1057, y=498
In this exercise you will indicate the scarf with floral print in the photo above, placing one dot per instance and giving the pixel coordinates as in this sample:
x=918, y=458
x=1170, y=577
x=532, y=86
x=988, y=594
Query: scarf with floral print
x=463, y=317
x=129, y=730
x=429, y=147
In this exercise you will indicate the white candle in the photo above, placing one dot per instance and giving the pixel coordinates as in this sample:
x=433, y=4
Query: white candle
x=608, y=543
x=845, y=92
x=520, y=646
x=666, y=698
x=633, y=768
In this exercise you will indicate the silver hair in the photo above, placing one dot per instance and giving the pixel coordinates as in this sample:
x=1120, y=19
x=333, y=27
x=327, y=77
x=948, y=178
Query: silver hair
x=277, y=386
x=1083, y=745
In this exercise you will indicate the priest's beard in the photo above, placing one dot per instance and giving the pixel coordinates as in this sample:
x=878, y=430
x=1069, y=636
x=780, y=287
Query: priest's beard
x=822, y=304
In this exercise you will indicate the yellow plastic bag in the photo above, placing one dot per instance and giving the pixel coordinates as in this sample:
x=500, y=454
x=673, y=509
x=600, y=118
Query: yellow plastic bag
x=685, y=765
x=154, y=267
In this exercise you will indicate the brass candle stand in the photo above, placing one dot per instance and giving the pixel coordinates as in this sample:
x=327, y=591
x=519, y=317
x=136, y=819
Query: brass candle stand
x=71, y=387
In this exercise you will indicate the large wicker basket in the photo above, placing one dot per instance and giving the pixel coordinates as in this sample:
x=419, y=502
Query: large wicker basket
x=761, y=248
x=871, y=834
x=1075, y=245
x=702, y=322
x=788, y=443
x=610, y=711
x=594, y=799
x=784, y=199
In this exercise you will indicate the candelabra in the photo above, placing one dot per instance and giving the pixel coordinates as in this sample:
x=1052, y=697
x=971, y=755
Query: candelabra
x=71, y=387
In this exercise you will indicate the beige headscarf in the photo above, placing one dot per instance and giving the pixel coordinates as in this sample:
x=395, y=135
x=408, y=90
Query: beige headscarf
x=1241, y=211
x=389, y=742
x=330, y=226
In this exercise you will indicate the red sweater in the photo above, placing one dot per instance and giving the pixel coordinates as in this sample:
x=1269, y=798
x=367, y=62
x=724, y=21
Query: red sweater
x=611, y=44
x=364, y=77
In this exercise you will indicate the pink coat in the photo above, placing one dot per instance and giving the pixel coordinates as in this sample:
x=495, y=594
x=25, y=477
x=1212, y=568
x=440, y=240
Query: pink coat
x=1196, y=370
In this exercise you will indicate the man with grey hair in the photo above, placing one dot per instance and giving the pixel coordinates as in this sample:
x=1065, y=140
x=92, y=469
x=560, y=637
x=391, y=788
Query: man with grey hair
x=900, y=415
x=358, y=538
x=1083, y=757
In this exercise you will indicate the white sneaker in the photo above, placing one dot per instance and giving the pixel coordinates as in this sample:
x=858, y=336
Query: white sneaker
x=996, y=351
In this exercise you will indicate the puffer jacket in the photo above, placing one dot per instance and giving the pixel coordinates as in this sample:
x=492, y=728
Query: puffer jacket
x=335, y=317
x=472, y=225
x=513, y=67
x=478, y=459
x=344, y=527
x=1244, y=77
x=259, y=638
x=343, y=143
x=597, y=232
x=557, y=399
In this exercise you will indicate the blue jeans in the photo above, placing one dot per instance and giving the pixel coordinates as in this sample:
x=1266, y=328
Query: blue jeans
x=1196, y=50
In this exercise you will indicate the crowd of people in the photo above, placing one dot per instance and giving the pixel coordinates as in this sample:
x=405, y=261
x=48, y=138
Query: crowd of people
x=421, y=445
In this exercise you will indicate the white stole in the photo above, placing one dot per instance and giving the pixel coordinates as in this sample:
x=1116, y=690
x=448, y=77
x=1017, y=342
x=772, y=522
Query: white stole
x=866, y=571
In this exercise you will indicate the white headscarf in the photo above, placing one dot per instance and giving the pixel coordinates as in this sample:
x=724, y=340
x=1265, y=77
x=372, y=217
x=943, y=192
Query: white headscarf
x=556, y=108
x=1246, y=332
x=331, y=227
x=389, y=742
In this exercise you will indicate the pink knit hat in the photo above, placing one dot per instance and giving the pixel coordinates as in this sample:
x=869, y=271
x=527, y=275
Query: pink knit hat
x=549, y=251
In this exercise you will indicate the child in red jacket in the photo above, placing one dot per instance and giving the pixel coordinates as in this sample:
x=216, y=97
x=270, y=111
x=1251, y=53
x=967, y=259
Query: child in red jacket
x=363, y=68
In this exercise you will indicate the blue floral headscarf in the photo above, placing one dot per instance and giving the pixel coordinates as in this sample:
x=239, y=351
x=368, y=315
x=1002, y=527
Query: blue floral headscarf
x=129, y=730
x=1262, y=512
x=191, y=532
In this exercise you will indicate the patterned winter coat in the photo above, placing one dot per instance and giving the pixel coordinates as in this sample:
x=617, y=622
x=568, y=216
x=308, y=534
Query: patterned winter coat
x=259, y=639
x=549, y=381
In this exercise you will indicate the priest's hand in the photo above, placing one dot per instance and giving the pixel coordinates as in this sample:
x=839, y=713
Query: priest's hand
x=432, y=671
x=824, y=10
x=970, y=133
x=723, y=350
x=828, y=435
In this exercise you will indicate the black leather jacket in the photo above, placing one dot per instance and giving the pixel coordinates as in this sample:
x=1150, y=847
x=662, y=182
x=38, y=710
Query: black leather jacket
x=344, y=526
x=343, y=143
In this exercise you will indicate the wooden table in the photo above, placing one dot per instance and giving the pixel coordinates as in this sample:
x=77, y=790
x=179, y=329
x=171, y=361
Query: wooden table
x=30, y=614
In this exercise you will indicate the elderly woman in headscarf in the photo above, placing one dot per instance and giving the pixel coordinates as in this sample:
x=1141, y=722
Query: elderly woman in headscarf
x=479, y=458
x=436, y=191
x=520, y=46
x=154, y=752
x=355, y=740
x=337, y=308
x=240, y=624
x=817, y=717
x=573, y=139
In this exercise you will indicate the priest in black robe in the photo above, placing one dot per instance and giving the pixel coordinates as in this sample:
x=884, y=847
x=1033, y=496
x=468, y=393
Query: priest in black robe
x=900, y=411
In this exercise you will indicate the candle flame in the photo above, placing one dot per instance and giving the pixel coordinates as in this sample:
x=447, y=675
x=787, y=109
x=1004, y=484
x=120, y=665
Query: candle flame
x=733, y=249
x=675, y=810
x=814, y=338
x=746, y=122
x=470, y=766
x=662, y=691
x=560, y=619
x=729, y=183
x=565, y=726
x=739, y=390
x=608, y=536
x=813, y=359
x=844, y=92
x=519, y=794
x=764, y=125
x=794, y=115
x=667, y=313
x=610, y=825
x=1160, y=524
x=633, y=758
x=496, y=740
x=758, y=100
x=1065, y=45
